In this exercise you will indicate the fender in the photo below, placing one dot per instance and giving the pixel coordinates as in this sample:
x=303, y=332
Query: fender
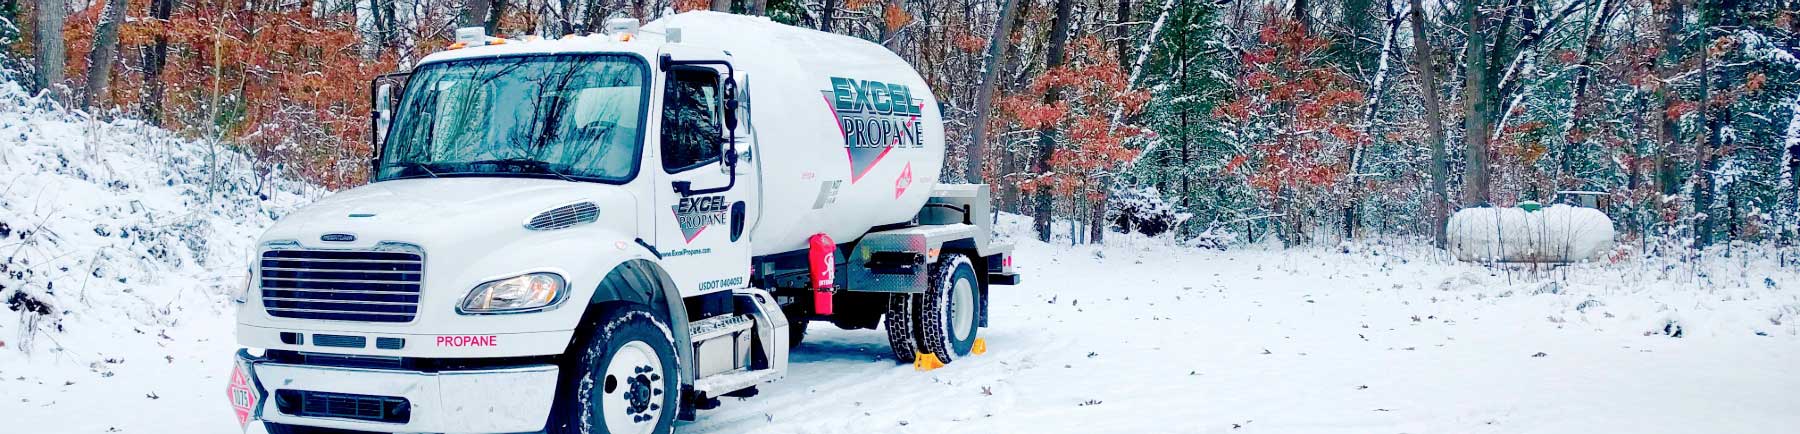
x=643, y=281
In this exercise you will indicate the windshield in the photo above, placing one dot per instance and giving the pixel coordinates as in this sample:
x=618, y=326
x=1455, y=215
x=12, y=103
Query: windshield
x=564, y=116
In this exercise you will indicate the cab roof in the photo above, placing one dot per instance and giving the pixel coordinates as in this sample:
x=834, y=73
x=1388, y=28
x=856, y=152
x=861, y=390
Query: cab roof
x=644, y=45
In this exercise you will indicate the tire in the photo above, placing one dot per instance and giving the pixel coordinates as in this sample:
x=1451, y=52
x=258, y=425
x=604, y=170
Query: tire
x=796, y=327
x=796, y=332
x=626, y=381
x=276, y=428
x=950, y=315
x=900, y=321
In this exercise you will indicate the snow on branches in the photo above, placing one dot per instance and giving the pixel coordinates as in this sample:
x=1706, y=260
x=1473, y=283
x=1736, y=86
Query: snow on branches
x=1091, y=145
x=1299, y=114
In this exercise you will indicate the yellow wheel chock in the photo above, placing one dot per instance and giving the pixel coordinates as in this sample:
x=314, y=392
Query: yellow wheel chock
x=926, y=362
x=929, y=361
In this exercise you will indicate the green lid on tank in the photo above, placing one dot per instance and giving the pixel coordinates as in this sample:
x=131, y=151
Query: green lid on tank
x=1530, y=205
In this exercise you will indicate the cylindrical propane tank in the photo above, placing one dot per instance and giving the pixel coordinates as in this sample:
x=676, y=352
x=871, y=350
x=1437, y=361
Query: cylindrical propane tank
x=847, y=136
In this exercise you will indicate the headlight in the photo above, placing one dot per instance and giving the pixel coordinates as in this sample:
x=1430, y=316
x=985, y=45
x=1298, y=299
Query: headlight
x=525, y=292
x=242, y=294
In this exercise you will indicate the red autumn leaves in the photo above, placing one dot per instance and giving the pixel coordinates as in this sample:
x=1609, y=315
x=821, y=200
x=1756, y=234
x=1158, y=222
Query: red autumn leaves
x=1299, y=111
x=1089, y=118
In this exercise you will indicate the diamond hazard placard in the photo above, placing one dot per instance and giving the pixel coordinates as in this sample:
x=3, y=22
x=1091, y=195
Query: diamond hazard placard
x=904, y=181
x=242, y=394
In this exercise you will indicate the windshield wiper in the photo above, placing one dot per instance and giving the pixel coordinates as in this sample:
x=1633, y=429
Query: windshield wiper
x=420, y=166
x=526, y=162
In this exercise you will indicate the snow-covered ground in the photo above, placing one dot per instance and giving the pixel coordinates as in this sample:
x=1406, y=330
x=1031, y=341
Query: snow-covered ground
x=121, y=246
x=1139, y=336
x=1372, y=339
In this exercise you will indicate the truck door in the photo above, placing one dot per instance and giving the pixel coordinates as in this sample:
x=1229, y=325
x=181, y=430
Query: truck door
x=703, y=211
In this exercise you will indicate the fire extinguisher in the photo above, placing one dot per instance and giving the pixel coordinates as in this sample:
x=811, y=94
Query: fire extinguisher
x=821, y=256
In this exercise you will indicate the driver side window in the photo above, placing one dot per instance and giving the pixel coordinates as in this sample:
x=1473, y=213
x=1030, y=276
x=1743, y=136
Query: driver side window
x=690, y=119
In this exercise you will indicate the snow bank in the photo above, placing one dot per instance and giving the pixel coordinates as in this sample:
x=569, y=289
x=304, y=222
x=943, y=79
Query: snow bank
x=122, y=246
x=117, y=226
x=1560, y=233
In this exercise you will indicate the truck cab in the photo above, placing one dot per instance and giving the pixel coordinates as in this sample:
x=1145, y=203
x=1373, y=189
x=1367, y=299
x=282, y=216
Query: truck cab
x=562, y=236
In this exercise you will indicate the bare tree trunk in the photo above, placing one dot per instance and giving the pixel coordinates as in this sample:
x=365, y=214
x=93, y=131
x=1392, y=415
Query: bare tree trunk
x=100, y=59
x=1097, y=219
x=1668, y=66
x=593, y=15
x=1377, y=86
x=1120, y=35
x=1475, y=107
x=494, y=15
x=1434, y=123
x=1059, y=34
x=1303, y=15
x=827, y=8
x=1705, y=158
x=1010, y=195
x=721, y=5
x=49, y=48
x=1584, y=75
x=890, y=35
x=155, y=58
x=475, y=13
x=984, y=95
x=759, y=8
x=1097, y=216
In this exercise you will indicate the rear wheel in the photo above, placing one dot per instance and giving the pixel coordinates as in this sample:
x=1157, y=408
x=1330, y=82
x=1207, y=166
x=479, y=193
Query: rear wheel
x=624, y=383
x=796, y=332
x=796, y=325
x=948, y=316
x=901, y=323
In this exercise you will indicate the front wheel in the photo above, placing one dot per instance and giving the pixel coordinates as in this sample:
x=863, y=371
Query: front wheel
x=626, y=382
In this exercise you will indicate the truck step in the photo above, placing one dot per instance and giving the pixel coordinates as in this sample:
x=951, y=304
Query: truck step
x=727, y=384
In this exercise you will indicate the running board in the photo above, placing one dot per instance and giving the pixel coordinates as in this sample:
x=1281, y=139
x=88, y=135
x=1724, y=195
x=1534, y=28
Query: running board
x=722, y=384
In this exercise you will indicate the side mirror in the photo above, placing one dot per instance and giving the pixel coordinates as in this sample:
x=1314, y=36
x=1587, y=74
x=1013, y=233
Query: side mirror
x=383, y=95
x=384, y=111
x=731, y=106
x=381, y=115
x=731, y=124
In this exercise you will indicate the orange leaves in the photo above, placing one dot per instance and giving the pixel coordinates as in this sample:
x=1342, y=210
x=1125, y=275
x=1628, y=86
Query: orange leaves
x=1093, y=96
x=894, y=17
x=290, y=87
x=1031, y=113
x=1300, y=113
x=1679, y=108
x=1522, y=144
x=692, y=5
x=1567, y=57
x=967, y=41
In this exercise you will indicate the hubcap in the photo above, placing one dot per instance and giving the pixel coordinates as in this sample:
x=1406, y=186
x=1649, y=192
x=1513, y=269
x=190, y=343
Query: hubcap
x=962, y=309
x=632, y=393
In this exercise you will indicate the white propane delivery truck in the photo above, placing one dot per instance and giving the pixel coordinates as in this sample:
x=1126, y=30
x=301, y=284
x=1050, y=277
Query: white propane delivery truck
x=604, y=233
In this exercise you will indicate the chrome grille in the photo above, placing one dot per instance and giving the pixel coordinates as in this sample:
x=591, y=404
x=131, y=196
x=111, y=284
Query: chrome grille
x=565, y=216
x=343, y=285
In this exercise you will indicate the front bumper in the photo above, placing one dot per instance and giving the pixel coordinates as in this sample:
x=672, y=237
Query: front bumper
x=505, y=400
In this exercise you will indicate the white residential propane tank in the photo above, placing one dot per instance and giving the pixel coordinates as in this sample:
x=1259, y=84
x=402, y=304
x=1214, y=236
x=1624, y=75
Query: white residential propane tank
x=848, y=136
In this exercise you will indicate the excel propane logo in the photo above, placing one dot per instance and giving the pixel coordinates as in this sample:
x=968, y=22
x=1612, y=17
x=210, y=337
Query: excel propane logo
x=695, y=213
x=874, y=118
